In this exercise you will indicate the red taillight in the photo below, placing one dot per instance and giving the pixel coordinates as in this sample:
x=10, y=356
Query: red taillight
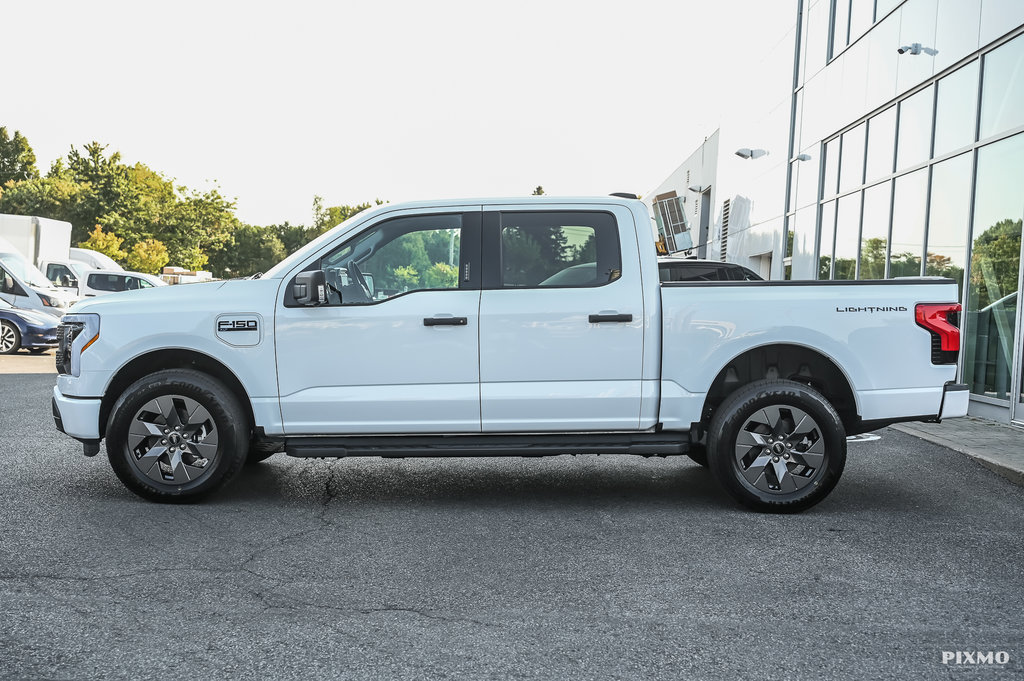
x=935, y=317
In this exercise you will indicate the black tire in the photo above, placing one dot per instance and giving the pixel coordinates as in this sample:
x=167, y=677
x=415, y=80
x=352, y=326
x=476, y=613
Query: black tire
x=811, y=457
x=10, y=338
x=157, y=400
x=37, y=351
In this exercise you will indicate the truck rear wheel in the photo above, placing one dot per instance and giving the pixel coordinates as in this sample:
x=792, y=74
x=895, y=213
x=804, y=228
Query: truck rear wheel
x=177, y=435
x=777, y=446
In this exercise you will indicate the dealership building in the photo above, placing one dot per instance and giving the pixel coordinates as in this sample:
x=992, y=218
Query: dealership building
x=877, y=139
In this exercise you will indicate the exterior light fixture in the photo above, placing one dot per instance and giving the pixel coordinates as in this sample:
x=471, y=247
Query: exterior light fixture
x=916, y=48
x=803, y=157
x=751, y=154
x=697, y=188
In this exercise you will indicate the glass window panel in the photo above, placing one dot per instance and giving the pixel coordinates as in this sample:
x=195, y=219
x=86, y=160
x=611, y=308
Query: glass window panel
x=883, y=7
x=817, y=39
x=807, y=191
x=861, y=17
x=851, y=165
x=840, y=25
x=875, y=231
x=998, y=17
x=956, y=31
x=915, y=129
x=995, y=268
x=948, y=217
x=803, y=244
x=1002, y=95
x=909, y=201
x=831, y=185
x=847, y=237
x=826, y=239
x=956, y=109
x=881, y=144
x=793, y=184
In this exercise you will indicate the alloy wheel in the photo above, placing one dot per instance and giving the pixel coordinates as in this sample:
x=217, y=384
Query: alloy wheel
x=172, y=439
x=780, y=449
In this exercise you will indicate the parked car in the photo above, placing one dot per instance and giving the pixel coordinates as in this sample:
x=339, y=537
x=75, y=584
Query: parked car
x=691, y=269
x=485, y=356
x=19, y=328
x=100, y=282
x=24, y=286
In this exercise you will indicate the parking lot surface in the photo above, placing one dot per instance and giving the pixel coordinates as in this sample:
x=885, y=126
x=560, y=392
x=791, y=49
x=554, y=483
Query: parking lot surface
x=590, y=567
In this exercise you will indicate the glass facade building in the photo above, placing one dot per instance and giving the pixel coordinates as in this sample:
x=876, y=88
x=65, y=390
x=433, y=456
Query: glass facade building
x=907, y=159
x=890, y=143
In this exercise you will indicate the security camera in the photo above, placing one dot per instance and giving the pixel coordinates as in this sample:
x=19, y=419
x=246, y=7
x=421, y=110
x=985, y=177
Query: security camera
x=910, y=49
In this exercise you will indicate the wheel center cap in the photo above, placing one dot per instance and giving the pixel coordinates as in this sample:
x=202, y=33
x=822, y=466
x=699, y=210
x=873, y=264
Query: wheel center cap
x=175, y=438
x=778, y=448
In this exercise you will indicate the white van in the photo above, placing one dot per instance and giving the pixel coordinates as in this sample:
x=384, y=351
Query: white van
x=22, y=285
x=100, y=282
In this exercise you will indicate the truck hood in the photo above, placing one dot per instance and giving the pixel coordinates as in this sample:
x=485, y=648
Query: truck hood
x=225, y=296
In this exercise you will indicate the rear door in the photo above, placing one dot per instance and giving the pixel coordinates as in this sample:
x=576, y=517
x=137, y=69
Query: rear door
x=561, y=320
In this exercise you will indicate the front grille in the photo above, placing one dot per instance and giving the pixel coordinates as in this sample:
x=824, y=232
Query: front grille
x=66, y=334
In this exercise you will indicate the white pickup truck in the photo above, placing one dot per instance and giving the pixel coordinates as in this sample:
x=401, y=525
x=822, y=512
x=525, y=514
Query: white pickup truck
x=510, y=327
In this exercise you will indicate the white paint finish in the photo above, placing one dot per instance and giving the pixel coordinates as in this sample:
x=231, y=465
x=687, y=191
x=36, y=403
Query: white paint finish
x=379, y=366
x=533, y=406
x=541, y=342
x=395, y=408
x=679, y=407
x=885, y=404
x=955, y=404
x=80, y=418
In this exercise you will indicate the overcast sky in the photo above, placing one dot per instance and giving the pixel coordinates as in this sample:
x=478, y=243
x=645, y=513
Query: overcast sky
x=277, y=102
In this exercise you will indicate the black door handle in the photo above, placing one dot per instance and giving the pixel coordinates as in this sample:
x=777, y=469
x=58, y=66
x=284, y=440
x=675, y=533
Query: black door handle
x=598, y=318
x=445, y=321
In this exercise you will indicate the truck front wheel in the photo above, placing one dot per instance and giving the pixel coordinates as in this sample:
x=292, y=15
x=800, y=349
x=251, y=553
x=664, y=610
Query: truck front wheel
x=176, y=435
x=777, y=446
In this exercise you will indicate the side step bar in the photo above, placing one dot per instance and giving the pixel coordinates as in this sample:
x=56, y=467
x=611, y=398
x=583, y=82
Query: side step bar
x=643, y=444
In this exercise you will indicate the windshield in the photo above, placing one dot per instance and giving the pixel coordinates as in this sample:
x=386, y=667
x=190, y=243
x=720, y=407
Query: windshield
x=24, y=270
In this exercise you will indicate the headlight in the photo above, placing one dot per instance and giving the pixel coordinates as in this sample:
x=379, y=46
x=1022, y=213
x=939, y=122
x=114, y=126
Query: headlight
x=75, y=334
x=50, y=301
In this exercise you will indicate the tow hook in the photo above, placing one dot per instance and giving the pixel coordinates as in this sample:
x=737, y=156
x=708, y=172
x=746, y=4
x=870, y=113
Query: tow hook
x=90, y=447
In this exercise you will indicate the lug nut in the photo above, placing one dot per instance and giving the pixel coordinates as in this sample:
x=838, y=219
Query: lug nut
x=785, y=456
x=166, y=430
x=164, y=441
x=775, y=459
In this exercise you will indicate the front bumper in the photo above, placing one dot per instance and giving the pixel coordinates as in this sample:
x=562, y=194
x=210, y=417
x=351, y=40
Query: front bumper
x=39, y=338
x=955, y=399
x=77, y=417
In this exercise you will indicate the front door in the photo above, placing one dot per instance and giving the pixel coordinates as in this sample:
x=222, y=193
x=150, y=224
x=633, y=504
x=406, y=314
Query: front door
x=561, y=322
x=396, y=347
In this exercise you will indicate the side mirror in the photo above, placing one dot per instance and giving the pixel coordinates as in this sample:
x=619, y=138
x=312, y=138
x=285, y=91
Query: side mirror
x=310, y=288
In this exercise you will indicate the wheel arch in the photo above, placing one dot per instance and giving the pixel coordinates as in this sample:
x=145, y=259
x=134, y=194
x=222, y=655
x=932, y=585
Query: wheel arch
x=791, y=361
x=171, y=358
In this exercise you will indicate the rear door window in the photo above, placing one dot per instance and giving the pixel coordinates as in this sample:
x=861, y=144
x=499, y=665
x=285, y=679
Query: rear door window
x=556, y=250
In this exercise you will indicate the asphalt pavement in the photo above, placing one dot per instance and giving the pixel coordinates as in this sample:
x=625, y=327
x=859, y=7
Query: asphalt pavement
x=590, y=567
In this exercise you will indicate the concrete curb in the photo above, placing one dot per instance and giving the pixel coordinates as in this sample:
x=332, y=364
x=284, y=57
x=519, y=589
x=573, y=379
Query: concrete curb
x=1005, y=464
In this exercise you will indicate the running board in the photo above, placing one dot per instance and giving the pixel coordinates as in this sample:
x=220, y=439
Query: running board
x=396, y=446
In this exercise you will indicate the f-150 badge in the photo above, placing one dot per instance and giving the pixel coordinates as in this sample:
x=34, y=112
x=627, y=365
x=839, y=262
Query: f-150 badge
x=240, y=330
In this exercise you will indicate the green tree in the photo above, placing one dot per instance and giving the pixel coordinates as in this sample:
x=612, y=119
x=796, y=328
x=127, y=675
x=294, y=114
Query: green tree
x=48, y=197
x=441, y=275
x=17, y=160
x=995, y=263
x=251, y=249
x=872, y=259
x=324, y=218
x=105, y=242
x=539, y=191
x=148, y=255
x=406, y=277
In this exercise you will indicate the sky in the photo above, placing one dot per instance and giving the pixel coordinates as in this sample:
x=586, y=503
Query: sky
x=275, y=102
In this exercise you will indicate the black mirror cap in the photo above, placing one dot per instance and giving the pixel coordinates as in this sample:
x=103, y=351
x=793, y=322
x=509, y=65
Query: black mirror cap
x=310, y=288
